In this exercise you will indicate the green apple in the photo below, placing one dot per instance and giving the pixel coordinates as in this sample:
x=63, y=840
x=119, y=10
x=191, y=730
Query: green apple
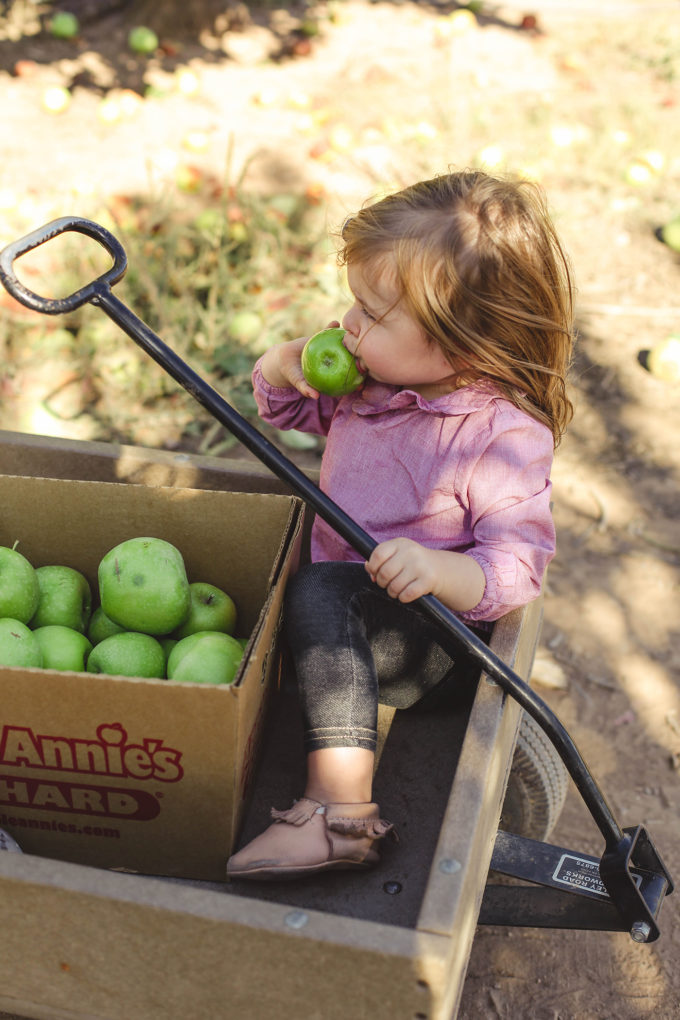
x=18, y=645
x=210, y=609
x=143, y=40
x=65, y=598
x=670, y=234
x=101, y=626
x=63, y=648
x=128, y=654
x=663, y=361
x=64, y=25
x=167, y=644
x=19, y=591
x=143, y=586
x=208, y=657
x=56, y=99
x=328, y=366
x=245, y=327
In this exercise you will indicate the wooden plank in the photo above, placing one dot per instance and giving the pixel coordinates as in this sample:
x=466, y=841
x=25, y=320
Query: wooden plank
x=458, y=874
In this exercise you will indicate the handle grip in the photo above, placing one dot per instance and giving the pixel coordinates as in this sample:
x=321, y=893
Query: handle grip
x=57, y=306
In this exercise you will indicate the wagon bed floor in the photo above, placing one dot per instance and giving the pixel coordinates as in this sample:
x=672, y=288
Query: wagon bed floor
x=412, y=785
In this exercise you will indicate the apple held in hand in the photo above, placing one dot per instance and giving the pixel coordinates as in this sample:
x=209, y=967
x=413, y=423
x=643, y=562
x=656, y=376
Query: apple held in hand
x=207, y=657
x=65, y=598
x=19, y=592
x=210, y=609
x=144, y=587
x=328, y=366
x=18, y=645
x=128, y=654
x=63, y=648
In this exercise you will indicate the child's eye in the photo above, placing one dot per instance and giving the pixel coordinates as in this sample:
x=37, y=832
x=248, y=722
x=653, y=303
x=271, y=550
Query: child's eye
x=368, y=315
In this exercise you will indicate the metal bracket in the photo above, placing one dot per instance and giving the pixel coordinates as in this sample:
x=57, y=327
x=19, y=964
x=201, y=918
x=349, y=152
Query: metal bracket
x=568, y=891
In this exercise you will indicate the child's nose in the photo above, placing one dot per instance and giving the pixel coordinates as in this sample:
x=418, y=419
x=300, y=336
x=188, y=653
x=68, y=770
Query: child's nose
x=350, y=322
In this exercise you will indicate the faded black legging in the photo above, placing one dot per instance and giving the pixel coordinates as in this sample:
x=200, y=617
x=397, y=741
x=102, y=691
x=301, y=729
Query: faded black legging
x=354, y=646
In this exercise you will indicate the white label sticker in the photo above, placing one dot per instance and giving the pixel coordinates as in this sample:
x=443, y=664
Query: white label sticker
x=580, y=873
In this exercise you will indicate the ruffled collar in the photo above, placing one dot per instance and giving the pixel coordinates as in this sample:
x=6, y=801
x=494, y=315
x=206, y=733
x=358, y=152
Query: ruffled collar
x=376, y=398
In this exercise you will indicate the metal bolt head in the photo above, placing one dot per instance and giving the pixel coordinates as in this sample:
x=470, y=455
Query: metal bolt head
x=296, y=919
x=640, y=931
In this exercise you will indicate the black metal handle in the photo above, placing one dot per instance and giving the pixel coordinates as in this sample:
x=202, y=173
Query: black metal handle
x=636, y=909
x=57, y=306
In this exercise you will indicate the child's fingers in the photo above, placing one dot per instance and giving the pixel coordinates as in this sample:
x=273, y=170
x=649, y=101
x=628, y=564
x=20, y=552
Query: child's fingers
x=305, y=389
x=399, y=567
x=380, y=555
x=291, y=366
x=385, y=566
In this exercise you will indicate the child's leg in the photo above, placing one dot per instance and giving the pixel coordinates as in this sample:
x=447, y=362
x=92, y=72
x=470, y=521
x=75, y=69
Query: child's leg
x=340, y=775
x=347, y=639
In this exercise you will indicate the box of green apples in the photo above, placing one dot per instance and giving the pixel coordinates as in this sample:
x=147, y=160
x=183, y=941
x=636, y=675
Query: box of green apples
x=138, y=629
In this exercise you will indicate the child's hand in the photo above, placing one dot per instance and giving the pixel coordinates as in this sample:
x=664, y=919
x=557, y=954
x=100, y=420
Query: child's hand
x=281, y=366
x=407, y=570
x=404, y=568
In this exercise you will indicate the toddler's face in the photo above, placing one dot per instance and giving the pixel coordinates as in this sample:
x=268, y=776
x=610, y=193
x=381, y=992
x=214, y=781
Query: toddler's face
x=388, y=344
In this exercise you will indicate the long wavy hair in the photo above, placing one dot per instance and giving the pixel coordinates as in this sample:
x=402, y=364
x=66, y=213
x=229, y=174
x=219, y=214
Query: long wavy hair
x=479, y=266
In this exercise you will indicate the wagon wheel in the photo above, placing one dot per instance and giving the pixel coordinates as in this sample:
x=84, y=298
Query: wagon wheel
x=537, y=785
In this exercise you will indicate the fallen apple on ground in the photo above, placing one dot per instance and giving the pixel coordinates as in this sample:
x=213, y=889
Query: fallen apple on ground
x=63, y=648
x=663, y=360
x=18, y=645
x=210, y=609
x=56, y=99
x=328, y=366
x=143, y=40
x=19, y=592
x=670, y=234
x=128, y=654
x=143, y=586
x=208, y=657
x=64, y=25
x=245, y=327
x=65, y=598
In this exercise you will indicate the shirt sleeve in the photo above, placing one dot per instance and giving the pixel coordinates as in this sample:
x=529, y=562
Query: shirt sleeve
x=509, y=501
x=286, y=408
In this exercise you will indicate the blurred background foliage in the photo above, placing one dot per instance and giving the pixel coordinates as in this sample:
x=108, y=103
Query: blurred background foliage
x=253, y=159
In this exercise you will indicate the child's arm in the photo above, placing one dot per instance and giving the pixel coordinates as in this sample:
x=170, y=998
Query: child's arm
x=407, y=570
x=506, y=491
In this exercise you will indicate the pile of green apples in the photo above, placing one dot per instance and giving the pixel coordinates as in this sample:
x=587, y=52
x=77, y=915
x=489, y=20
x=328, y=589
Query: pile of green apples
x=150, y=621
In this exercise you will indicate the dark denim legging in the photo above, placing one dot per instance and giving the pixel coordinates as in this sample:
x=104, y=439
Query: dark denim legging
x=354, y=646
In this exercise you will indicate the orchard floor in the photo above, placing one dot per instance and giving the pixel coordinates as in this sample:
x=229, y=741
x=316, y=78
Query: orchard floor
x=389, y=92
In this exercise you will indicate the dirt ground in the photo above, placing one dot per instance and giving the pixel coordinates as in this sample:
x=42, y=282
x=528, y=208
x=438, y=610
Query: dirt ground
x=585, y=97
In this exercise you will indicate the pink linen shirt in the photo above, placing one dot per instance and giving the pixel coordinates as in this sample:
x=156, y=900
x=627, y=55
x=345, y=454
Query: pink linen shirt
x=467, y=472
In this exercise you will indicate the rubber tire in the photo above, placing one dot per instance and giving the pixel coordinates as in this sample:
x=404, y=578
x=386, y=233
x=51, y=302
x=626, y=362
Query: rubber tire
x=537, y=785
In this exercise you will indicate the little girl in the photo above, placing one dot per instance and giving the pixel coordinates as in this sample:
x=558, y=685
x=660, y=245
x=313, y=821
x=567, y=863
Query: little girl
x=462, y=327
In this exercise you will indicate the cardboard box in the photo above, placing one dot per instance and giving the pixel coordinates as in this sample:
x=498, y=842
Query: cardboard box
x=132, y=774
